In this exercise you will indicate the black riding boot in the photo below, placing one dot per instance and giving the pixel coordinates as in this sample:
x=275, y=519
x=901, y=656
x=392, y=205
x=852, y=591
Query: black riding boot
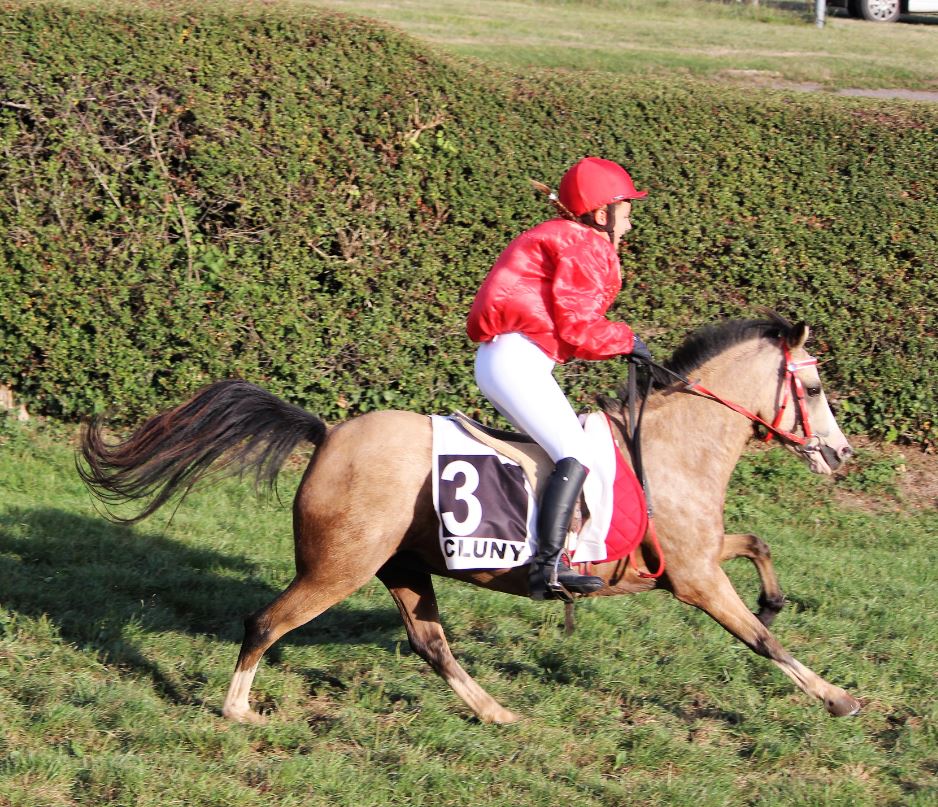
x=550, y=577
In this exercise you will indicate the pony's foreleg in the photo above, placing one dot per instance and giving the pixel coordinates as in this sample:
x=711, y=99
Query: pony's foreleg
x=413, y=593
x=304, y=599
x=716, y=596
x=771, y=599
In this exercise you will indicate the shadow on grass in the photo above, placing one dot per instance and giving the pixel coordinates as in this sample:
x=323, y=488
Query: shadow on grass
x=92, y=578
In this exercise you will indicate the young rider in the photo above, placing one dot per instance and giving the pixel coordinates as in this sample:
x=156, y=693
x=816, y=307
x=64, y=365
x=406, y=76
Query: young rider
x=544, y=301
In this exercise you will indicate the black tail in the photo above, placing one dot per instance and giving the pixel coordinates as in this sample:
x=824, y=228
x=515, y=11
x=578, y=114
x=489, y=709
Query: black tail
x=237, y=423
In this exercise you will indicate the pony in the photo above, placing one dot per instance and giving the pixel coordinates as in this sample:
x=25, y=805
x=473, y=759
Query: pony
x=363, y=508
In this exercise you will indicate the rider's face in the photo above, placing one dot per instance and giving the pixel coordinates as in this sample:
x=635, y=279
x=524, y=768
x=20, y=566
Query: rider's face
x=623, y=223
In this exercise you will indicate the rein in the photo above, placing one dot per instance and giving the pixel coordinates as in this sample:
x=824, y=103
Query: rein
x=635, y=449
x=792, y=388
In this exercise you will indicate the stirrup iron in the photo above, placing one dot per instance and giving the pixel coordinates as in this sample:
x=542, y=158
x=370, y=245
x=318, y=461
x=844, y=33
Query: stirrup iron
x=555, y=587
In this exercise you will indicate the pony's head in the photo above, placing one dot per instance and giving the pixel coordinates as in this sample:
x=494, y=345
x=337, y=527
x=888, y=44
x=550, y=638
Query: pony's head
x=779, y=390
x=825, y=447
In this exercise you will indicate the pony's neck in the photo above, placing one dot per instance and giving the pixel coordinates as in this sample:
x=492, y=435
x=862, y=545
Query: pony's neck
x=707, y=437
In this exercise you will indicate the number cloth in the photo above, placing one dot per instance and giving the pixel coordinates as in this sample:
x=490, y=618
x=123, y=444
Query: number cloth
x=478, y=528
x=487, y=508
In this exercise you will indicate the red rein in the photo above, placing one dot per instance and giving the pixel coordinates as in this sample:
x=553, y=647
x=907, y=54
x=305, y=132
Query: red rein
x=792, y=387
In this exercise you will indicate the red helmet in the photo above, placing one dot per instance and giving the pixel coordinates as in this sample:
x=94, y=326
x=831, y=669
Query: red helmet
x=593, y=183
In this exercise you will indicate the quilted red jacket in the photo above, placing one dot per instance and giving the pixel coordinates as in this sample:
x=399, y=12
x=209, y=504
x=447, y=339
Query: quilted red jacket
x=554, y=283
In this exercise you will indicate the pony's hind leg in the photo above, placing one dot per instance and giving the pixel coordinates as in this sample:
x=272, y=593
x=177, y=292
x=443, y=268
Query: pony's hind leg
x=304, y=599
x=715, y=595
x=413, y=593
x=771, y=598
x=352, y=510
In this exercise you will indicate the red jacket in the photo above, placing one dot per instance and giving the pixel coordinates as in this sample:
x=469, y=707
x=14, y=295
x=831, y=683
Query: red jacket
x=554, y=283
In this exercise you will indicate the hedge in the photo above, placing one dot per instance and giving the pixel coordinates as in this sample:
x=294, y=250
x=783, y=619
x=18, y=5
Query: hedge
x=309, y=201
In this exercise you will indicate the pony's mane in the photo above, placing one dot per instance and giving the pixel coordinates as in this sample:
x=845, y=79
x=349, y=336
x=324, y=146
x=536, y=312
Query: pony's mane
x=706, y=343
x=711, y=340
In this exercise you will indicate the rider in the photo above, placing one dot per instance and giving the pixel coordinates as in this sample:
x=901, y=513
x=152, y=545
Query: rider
x=544, y=301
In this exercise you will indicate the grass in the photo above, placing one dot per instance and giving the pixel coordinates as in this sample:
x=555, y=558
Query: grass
x=711, y=40
x=116, y=646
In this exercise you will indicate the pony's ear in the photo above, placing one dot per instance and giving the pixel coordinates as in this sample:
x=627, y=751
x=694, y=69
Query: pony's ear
x=798, y=336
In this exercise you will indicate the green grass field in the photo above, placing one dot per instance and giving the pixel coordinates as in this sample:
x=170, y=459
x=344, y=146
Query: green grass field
x=722, y=41
x=116, y=647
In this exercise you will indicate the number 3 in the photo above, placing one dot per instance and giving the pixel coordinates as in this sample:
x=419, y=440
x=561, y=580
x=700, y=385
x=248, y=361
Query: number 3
x=463, y=493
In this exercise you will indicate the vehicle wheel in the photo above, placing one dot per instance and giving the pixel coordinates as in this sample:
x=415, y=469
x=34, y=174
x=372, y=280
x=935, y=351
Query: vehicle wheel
x=879, y=10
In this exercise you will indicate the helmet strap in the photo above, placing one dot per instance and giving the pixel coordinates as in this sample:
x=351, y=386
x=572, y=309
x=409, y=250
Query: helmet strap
x=608, y=228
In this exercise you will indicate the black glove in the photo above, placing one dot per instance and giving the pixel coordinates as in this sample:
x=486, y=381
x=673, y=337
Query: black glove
x=640, y=352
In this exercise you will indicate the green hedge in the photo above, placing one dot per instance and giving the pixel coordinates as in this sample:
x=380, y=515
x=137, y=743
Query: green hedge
x=309, y=201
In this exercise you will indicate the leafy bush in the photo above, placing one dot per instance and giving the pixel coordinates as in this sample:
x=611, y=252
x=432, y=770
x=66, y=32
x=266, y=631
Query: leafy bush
x=309, y=201
x=873, y=472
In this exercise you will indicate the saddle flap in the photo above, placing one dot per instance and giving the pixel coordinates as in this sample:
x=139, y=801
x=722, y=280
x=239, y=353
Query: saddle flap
x=520, y=448
x=534, y=461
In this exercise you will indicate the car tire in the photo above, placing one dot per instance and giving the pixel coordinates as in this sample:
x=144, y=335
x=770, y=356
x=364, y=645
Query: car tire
x=879, y=10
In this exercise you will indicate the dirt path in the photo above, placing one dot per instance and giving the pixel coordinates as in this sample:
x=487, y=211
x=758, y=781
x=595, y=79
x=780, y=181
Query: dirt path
x=774, y=81
x=906, y=95
x=916, y=480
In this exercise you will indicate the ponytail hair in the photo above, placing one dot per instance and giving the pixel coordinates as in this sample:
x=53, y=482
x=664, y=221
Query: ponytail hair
x=554, y=199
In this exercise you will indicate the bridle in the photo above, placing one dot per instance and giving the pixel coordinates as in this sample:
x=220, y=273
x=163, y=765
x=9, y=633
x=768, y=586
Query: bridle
x=792, y=388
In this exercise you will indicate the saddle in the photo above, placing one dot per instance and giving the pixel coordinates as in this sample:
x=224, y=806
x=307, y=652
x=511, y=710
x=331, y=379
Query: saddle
x=532, y=459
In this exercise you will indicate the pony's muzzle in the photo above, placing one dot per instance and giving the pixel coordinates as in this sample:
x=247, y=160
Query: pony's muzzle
x=835, y=457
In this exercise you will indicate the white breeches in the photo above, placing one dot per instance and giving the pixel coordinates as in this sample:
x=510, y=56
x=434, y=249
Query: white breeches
x=516, y=376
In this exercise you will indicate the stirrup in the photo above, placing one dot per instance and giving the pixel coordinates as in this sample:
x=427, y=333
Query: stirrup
x=576, y=583
x=558, y=591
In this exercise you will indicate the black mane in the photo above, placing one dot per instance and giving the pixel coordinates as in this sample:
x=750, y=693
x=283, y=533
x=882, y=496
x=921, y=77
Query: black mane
x=711, y=340
x=706, y=343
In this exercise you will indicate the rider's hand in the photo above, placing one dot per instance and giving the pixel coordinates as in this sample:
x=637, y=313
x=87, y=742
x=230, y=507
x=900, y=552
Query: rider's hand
x=640, y=351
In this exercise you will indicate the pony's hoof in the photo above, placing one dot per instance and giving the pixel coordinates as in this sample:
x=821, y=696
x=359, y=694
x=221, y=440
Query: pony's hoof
x=244, y=716
x=843, y=706
x=502, y=717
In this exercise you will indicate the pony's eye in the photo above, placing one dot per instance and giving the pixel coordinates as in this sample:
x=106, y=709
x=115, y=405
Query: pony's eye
x=813, y=392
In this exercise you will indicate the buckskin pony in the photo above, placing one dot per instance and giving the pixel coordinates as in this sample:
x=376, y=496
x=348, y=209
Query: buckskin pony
x=363, y=507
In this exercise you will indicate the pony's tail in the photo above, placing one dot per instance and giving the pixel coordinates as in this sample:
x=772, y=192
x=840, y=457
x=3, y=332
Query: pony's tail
x=237, y=424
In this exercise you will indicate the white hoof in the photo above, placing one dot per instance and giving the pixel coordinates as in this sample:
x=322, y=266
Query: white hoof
x=502, y=717
x=243, y=715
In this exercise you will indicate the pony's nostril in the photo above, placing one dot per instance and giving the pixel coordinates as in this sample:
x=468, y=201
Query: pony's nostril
x=846, y=452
